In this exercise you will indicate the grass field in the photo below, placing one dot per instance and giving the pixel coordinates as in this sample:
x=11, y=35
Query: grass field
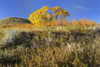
x=54, y=46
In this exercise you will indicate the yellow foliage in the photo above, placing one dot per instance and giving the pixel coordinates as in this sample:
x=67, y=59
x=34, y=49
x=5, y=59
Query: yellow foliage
x=59, y=11
x=40, y=16
x=84, y=22
x=74, y=22
x=87, y=22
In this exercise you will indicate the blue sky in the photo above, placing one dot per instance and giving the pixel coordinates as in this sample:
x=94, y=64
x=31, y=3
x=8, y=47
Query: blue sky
x=78, y=9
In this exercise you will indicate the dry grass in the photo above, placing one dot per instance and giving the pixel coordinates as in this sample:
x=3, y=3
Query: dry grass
x=56, y=45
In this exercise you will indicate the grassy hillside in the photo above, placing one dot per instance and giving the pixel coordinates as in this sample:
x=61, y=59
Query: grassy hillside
x=55, y=46
x=14, y=20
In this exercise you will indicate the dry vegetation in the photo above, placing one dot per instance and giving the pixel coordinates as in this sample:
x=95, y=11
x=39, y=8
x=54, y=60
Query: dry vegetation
x=56, y=45
x=82, y=22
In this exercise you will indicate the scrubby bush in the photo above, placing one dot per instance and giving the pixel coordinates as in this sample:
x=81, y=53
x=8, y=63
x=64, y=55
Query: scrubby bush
x=84, y=22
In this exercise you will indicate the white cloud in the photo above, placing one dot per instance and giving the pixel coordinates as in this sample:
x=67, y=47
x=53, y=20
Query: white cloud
x=80, y=7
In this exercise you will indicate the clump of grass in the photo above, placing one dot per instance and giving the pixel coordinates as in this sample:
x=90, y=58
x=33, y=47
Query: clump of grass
x=9, y=36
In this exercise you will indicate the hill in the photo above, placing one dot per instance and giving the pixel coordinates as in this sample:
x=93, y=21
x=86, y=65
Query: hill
x=14, y=20
x=57, y=46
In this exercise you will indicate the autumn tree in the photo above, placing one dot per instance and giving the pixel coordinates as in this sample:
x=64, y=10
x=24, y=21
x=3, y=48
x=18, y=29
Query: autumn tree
x=64, y=14
x=59, y=11
x=42, y=16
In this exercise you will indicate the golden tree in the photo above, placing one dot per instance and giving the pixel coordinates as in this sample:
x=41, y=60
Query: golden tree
x=59, y=11
x=64, y=14
x=41, y=16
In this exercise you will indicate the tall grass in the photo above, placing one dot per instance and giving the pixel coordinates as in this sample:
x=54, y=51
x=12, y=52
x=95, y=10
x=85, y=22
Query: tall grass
x=55, y=46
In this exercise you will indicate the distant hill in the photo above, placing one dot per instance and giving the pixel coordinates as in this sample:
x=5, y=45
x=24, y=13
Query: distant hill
x=14, y=20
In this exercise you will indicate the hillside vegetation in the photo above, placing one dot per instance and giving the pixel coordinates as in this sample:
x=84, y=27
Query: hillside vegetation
x=56, y=46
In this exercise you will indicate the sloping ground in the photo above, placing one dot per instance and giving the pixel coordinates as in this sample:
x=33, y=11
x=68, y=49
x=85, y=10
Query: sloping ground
x=14, y=20
x=47, y=48
x=33, y=38
x=49, y=37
